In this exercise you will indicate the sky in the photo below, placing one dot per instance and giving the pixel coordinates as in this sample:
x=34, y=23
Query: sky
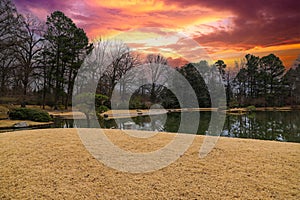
x=187, y=30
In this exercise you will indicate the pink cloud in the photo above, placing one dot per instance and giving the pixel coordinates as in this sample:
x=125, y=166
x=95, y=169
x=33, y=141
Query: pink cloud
x=252, y=23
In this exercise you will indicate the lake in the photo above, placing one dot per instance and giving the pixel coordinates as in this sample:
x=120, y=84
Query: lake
x=265, y=125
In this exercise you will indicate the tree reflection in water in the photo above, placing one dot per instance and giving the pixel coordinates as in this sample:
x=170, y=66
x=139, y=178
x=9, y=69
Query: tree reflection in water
x=266, y=125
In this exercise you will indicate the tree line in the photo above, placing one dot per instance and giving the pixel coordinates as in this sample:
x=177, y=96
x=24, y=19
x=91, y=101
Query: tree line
x=39, y=59
x=39, y=63
x=254, y=81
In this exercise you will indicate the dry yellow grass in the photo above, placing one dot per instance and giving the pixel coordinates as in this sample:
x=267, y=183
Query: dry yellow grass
x=53, y=164
x=67, y=114
x=3, y=112
x=112, y=114
x=36, y=107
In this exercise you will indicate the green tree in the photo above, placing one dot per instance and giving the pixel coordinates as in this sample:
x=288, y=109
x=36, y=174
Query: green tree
x=260, y=81
x=197, y=82
x=271, y=71
x=241, y=85
x=225, y=74
x=252, y=64
x=79, y=49
x=291, y=82
x=220, y=64
x=246, y=81
x=67, y=47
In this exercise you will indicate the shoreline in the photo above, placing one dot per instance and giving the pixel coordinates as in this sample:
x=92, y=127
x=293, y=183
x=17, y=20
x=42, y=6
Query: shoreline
x=70, y=114
x=142, y=112
x=9, y=124
x=114, y=114
x=53, y=163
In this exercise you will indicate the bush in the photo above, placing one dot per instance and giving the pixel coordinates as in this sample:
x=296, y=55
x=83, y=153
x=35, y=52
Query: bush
x=251, y=108
x=29, y=114
x=137, y=102
x=102, y=109
x=233, y=104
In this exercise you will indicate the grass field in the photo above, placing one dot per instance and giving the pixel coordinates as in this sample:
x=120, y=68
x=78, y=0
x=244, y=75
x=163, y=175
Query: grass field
x=54, y=164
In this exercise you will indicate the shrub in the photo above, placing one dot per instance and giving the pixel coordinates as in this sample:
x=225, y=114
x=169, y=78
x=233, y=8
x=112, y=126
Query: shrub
x=61, y=107
x=233, y=104
x=137, y=102
x=29, y=114
x=251, y=108
x=102, y=109
x=40, y=116
x=18, y=113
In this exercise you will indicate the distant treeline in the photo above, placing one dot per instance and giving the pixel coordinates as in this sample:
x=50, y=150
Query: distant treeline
x=255, y=81
x=39, y=63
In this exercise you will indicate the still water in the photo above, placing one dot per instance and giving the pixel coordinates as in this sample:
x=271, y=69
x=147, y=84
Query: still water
x=265, y=125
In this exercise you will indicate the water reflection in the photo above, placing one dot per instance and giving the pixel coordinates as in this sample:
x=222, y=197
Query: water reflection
x=281, y=126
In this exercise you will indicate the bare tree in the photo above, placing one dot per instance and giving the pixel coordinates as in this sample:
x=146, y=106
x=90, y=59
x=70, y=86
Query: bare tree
x=28, y=51
x=9, y=24
x=130, y=60
x=7, y=65
x=118, y=67
x=156, y=67
x=111, y=60
x=9, y=27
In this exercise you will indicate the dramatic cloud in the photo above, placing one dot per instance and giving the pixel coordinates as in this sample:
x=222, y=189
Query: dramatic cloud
x=258, y=23
x=226, y=28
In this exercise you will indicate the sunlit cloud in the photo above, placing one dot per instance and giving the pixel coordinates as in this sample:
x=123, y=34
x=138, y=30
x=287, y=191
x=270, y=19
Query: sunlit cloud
x=227, y=29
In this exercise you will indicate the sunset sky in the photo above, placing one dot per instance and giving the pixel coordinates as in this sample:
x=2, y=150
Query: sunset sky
x=226, y=29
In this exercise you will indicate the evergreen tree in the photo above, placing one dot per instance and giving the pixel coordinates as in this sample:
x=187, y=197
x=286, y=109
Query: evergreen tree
x=291, y=81
x=271, y=71
x=252, y=65
x=197, y=82
x=67, y=48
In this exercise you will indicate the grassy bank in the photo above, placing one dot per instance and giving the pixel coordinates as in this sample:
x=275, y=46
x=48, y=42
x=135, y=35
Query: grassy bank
x=10, y=123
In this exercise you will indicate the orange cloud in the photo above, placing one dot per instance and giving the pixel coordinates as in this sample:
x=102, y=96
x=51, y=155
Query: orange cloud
x=227, y=29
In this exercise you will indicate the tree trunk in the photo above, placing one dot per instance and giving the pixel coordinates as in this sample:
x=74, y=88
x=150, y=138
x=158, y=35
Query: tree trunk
x=88, y=120
x=23, y=104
